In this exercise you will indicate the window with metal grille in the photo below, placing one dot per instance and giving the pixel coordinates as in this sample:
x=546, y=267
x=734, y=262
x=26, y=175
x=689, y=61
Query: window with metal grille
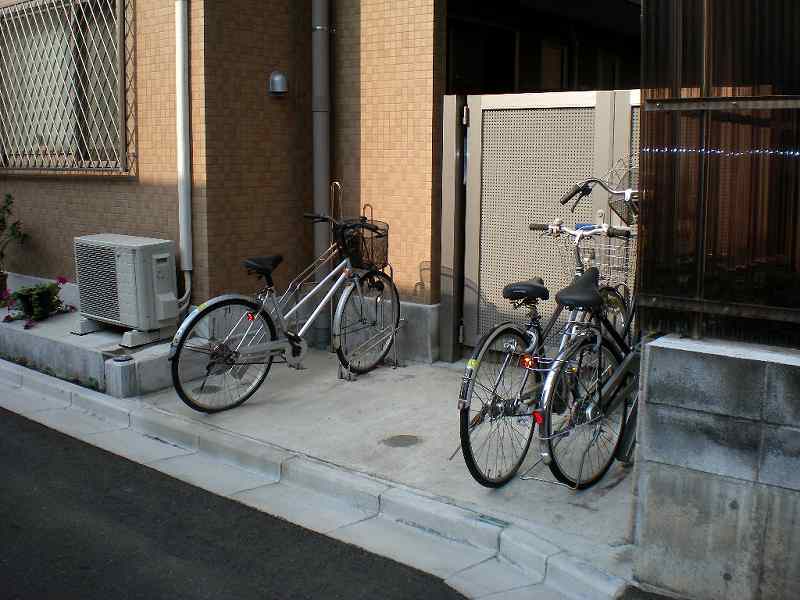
x=63, y=86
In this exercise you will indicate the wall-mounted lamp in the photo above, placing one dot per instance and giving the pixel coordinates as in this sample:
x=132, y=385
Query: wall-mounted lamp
x=278, y=86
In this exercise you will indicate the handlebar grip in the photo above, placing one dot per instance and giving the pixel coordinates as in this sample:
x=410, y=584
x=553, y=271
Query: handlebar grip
x=539, y=227
x=616, y=232
x=316, y=218
x=570, y=194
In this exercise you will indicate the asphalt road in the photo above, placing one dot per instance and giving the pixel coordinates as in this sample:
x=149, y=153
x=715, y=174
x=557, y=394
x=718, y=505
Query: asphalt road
x=78, y=522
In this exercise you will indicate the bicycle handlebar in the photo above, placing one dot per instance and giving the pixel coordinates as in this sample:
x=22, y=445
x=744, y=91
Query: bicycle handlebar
x=557, y=228
x=361, y=222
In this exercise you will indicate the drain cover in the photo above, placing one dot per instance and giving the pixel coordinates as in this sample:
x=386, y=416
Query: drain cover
x=401, y=441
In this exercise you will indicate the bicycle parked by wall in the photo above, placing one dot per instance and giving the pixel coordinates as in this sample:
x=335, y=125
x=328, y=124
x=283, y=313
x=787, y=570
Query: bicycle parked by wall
x=223, y=350
x=517, y=379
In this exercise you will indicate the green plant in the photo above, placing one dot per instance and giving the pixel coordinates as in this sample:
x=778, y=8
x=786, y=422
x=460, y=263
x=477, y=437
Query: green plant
x=10, y=231
x=37, y=302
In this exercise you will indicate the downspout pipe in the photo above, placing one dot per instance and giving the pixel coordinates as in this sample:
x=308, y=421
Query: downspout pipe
x=321, y=115
x=321, y=111
x=184, y=146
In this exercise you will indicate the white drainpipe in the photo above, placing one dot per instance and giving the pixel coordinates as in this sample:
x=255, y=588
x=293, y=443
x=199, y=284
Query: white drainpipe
x=184, y=145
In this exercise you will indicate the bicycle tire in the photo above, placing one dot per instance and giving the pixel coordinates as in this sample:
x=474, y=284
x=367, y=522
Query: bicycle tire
x=199, y=398
x=351, y=310
x=569, y=363
x=470, y=420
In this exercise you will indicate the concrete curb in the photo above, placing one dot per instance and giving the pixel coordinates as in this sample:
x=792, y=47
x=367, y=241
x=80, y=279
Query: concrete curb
x=540, y=559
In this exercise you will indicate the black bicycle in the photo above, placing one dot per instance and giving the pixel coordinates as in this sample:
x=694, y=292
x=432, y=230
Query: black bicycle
x=514, y=381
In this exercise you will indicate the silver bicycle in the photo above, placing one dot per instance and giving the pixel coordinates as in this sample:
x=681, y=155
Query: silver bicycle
x=223, y=351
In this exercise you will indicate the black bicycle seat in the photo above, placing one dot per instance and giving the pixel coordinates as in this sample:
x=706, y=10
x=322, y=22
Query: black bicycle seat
x=532, y=289
x=582, y=293
x=263, y=265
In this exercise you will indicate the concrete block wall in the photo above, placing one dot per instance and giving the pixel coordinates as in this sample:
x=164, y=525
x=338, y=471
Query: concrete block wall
x=719, y=483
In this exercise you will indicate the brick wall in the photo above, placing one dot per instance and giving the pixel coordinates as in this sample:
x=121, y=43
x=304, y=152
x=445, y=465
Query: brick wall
x=56, y=208
x=385, y=127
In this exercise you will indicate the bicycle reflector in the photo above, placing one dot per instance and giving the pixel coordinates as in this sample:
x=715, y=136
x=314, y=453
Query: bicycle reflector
x=538, y=417
x=527, y=361
x=251, y=317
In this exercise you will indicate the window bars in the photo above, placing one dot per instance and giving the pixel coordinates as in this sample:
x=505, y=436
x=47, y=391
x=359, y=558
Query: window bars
x=63, y=86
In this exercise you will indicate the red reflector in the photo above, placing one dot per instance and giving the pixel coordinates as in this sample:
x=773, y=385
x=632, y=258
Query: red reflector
x=251, y=317
x=537, y=415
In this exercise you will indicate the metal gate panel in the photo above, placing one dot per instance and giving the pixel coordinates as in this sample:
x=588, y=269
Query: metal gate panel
x=524, y=151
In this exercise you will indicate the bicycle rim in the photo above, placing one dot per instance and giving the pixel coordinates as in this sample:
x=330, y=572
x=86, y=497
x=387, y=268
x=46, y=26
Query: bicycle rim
x=581, y=440
x=206, y=370
x=495, y=429
x=366, y=322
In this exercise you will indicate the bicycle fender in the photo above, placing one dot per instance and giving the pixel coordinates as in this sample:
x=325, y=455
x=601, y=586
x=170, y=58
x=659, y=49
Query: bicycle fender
x=193, y=316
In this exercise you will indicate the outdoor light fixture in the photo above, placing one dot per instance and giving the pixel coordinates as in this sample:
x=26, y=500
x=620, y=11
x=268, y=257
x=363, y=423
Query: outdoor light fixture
x=278, y=86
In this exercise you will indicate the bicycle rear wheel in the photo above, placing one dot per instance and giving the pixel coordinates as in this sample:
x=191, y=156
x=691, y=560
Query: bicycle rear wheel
x=582, y=439
x=495, y=422
x=366, y=322
x=207, y=371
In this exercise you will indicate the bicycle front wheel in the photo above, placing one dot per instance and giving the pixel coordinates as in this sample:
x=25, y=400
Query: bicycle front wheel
x=207, y=370
x=366, y=322
x=582, y=438
x=498, y=394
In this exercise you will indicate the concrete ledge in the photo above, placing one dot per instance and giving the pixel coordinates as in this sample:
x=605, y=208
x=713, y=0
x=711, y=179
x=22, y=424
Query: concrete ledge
x=578, y=579
x=243, y=452
x=441, y=518
x=358, y=491
x=526, y=550
x=97, y=404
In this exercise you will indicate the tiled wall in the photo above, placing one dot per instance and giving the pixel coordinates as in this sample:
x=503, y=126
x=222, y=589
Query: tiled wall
x=251, y=155
x=259, y=147
x=385, y=128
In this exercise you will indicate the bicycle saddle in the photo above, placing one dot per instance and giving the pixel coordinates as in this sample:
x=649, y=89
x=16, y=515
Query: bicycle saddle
x=532, y=289
x=582, y=293
x=263, y=265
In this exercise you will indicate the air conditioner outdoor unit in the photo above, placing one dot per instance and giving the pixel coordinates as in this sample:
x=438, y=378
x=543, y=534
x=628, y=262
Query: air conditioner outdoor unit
x=127, y=281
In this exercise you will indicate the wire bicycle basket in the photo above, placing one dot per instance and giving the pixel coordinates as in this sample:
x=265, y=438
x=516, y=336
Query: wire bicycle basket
x=365, y=242
x=613, y=257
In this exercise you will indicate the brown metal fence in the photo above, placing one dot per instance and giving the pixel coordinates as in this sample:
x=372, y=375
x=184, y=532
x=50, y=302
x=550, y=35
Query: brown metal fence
x=721, y=169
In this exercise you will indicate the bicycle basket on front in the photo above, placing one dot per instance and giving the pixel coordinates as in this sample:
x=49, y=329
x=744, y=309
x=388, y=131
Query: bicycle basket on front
x=364, y=242
x=615, y=258
x=626, y=211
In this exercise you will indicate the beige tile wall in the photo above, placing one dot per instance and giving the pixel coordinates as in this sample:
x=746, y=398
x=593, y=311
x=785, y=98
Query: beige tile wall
x=384, y=128
x=252, y=153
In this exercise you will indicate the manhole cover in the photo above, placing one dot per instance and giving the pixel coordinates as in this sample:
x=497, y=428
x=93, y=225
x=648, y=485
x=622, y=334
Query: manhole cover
x=401, y=441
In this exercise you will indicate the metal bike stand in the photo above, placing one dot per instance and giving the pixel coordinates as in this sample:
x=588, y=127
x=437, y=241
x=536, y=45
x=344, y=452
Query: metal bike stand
x=347, y=375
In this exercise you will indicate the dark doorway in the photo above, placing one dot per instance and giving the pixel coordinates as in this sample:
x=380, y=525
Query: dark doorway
x=509, y=46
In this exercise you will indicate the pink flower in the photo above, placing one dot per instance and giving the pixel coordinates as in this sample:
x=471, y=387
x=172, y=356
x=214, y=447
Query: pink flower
x=4, y=294
x=62, y=280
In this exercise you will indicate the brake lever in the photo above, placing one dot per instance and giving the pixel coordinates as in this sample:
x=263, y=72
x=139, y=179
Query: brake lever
x=585, y=191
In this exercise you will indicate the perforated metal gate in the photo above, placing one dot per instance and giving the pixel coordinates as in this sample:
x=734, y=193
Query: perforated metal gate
x=524, y=152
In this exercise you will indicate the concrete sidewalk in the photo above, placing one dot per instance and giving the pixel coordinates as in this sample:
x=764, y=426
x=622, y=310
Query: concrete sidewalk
x=367, y=462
